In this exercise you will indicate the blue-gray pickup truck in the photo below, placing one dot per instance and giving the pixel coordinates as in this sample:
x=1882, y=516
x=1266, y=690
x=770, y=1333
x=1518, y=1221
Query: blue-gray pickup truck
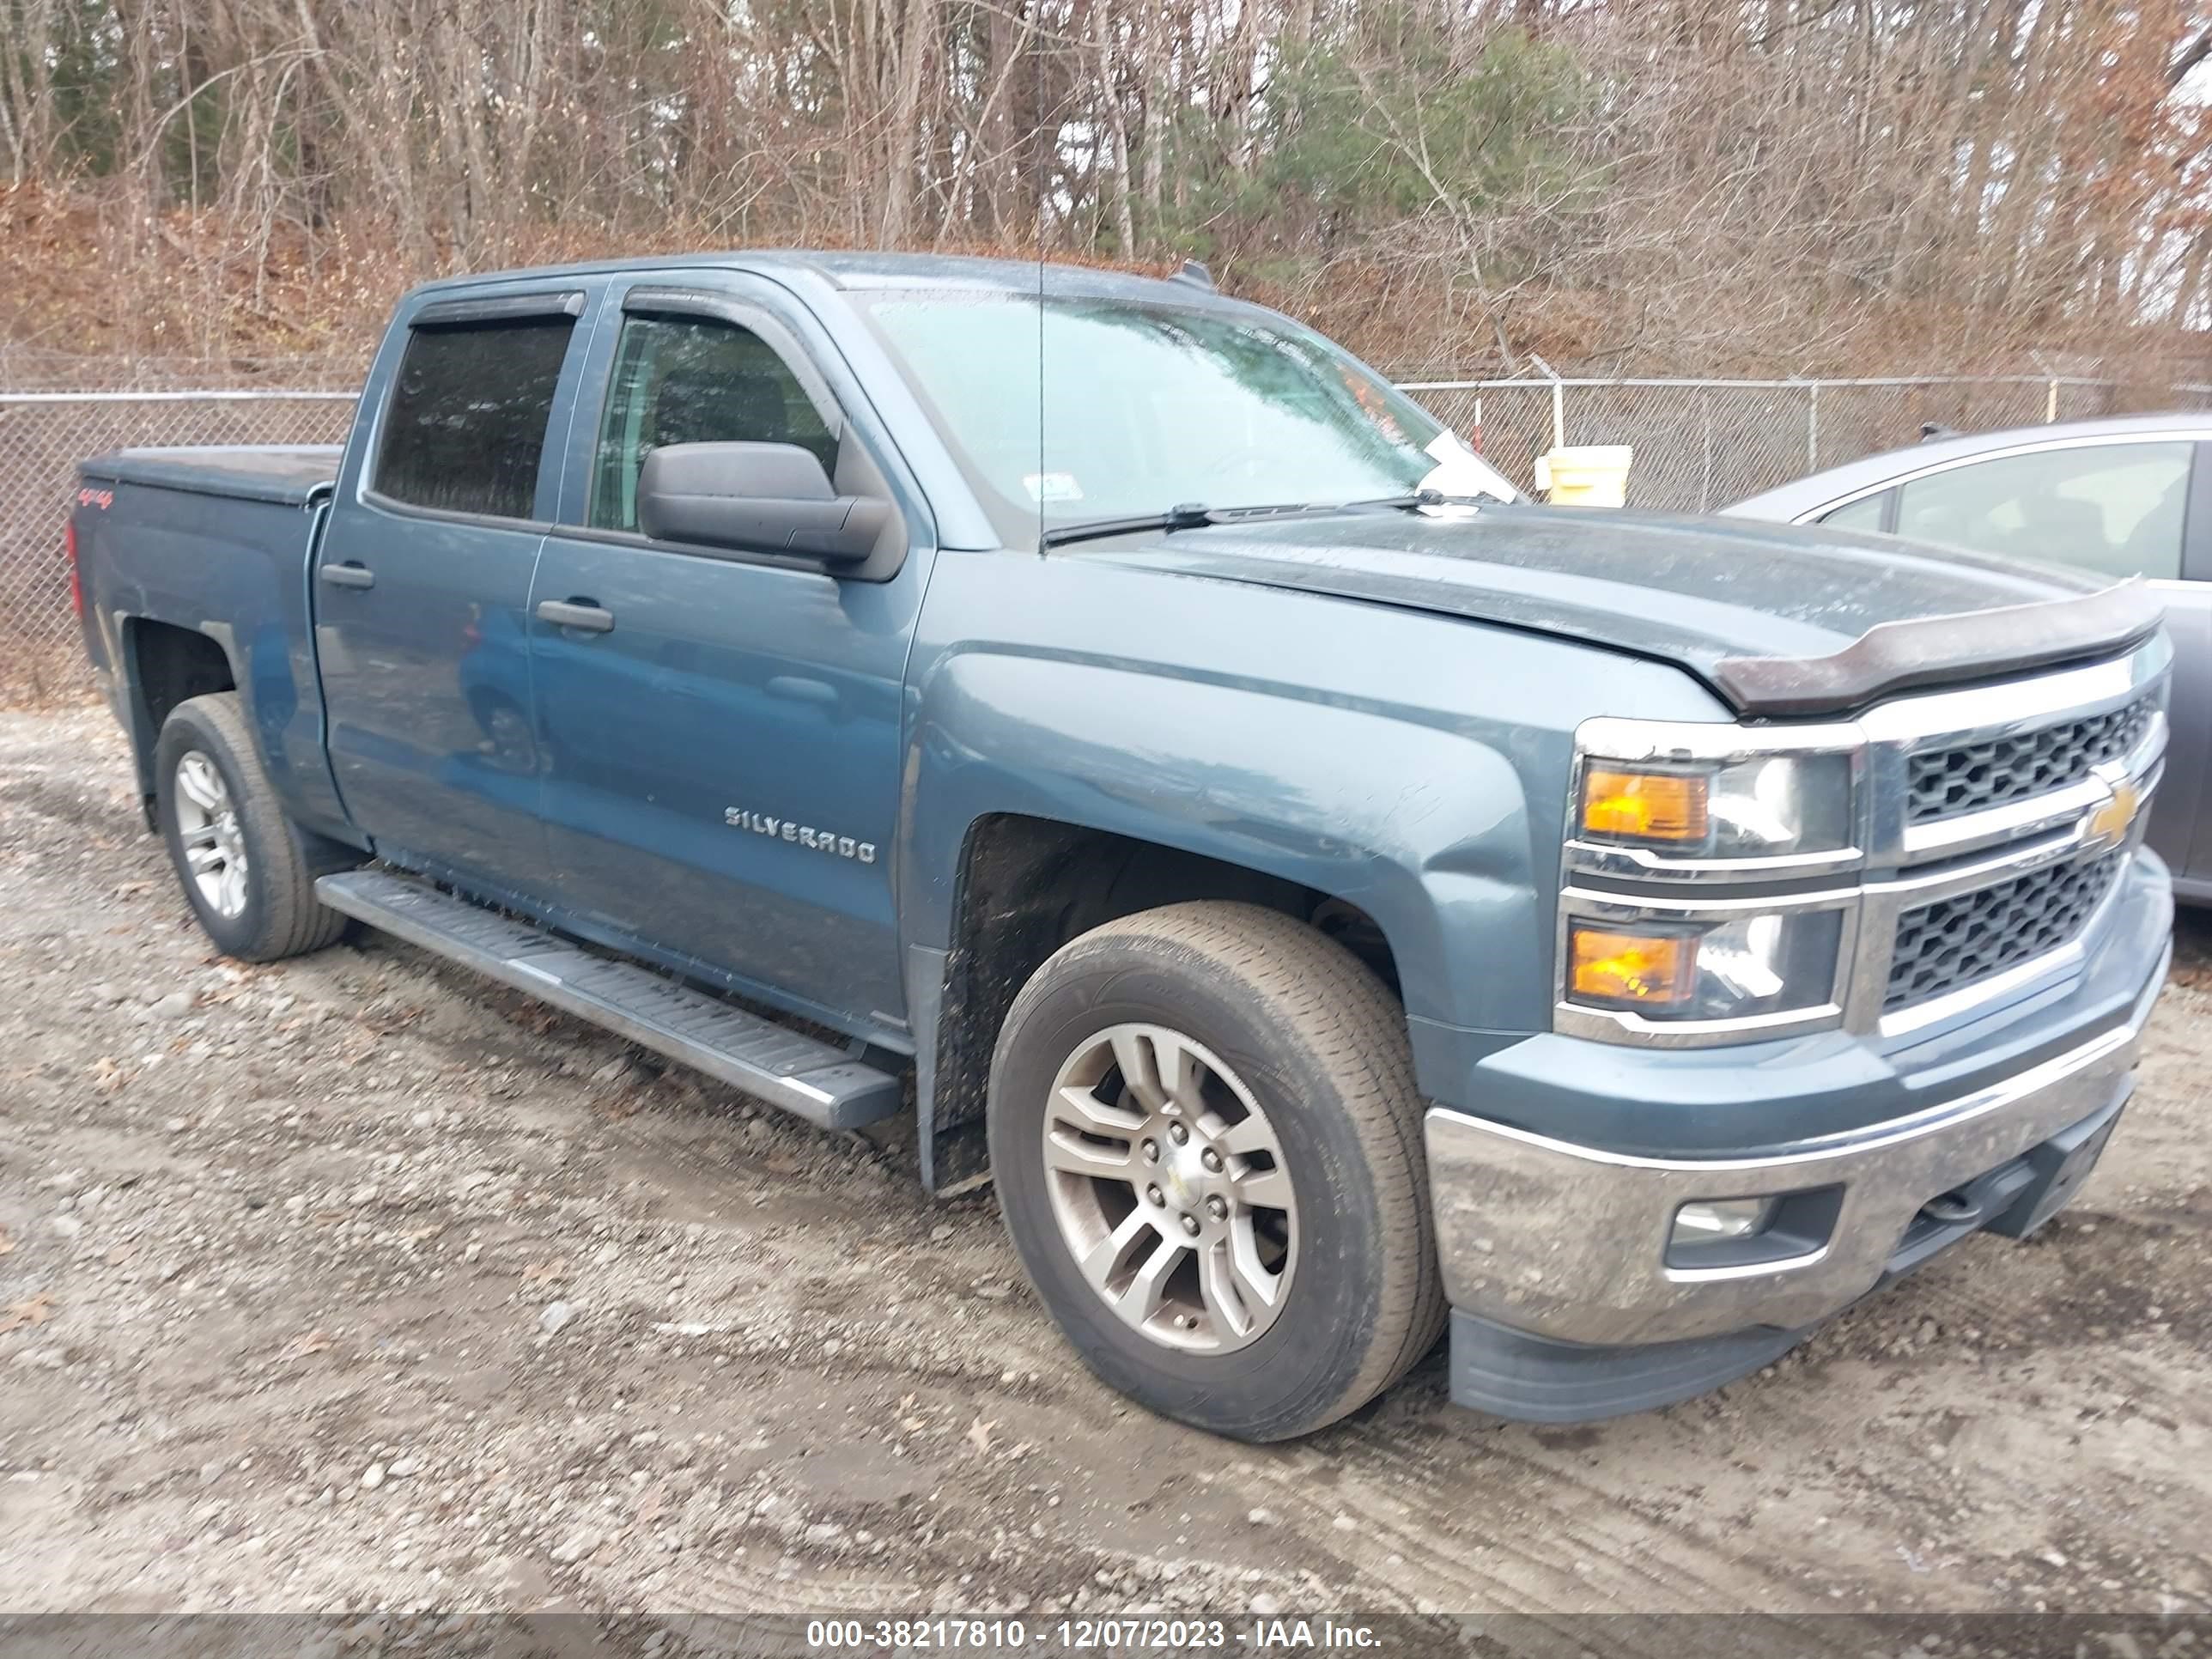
x=1330, y=899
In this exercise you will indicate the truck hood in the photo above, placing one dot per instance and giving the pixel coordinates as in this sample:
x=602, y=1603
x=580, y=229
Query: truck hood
x=1779, y=620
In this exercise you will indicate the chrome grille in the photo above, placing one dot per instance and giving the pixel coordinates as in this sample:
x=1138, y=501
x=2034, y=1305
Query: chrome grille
x=1950, y=943
x=1971, y=777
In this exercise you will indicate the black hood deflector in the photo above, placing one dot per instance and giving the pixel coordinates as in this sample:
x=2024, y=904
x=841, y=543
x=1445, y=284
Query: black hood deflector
x=1902, y=656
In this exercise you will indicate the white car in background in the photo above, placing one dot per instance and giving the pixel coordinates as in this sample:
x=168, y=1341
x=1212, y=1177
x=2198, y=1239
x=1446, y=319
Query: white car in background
x=2130, y=496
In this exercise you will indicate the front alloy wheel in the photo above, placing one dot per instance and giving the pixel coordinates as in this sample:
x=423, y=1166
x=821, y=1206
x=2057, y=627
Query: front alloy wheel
x=1169, y=1187
x=1207, y=1140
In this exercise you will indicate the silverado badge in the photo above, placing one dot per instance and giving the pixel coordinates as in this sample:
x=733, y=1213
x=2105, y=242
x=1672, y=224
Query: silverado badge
x=800, y=834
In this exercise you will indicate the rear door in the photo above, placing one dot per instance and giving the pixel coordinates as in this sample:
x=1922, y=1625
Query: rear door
x=424, y=579
x=720, y=737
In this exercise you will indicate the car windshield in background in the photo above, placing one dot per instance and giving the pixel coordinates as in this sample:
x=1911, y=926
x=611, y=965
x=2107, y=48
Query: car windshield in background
x=1103, y=408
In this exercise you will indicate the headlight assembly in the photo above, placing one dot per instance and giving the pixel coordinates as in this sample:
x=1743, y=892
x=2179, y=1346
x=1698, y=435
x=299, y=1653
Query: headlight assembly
x=1768, y=806
x=1667, y=825
x=1745, y=968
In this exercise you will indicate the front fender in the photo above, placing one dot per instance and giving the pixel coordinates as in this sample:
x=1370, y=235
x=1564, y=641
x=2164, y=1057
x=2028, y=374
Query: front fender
x=1413, y=764
x=1424, y=827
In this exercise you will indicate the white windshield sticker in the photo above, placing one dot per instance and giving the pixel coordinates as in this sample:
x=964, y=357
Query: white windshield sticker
x=1460, y=471
x=1052, y=487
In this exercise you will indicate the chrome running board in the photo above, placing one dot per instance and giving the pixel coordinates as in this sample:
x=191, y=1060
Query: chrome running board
x=809, y=1078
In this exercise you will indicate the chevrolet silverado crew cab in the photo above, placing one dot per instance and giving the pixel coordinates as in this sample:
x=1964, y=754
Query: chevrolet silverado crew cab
x=1329, y=898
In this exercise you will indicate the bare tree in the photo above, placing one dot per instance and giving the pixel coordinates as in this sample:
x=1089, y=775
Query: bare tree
x=1794, y=184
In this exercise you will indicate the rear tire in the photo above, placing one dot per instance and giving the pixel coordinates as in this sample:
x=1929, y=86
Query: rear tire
x=1307, y=1281
x=247, y=870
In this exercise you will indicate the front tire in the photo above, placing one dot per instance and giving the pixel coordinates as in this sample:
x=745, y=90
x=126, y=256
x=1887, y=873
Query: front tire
x=247, y=870
x=1207, y=1140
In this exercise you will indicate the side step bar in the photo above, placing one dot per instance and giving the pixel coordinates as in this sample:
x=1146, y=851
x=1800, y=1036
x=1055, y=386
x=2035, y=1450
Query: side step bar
x=818, y=1082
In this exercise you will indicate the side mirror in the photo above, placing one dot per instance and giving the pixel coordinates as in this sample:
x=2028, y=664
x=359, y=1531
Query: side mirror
x=773, y=498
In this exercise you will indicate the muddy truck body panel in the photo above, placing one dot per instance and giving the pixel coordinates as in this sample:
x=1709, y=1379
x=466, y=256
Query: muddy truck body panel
x=1754, y=911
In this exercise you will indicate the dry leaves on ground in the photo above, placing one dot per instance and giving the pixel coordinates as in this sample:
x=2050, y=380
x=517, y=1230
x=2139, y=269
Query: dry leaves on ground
x=35, y=1310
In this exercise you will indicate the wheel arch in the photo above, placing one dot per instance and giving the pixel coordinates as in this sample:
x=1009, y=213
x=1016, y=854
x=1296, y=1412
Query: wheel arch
x=165, y=664
x=1026, y=886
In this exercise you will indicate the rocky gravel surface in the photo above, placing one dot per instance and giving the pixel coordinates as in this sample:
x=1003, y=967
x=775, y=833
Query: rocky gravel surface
x=359, y=1284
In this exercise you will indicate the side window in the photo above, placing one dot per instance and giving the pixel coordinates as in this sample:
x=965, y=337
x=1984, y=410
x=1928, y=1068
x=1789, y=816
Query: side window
x=1864, y=513
x=465, y=427
x=2116, y=509
x=692, y=380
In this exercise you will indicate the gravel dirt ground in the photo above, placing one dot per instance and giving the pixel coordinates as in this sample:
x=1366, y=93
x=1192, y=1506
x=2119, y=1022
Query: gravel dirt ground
x=358, y=1283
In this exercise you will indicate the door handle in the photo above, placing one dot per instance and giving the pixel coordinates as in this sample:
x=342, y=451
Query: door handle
x=352, y=573
x=800, y=690
x=577, y=613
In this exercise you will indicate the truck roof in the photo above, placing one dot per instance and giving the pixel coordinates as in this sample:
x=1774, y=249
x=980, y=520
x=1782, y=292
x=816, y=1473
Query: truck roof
x=863, y=270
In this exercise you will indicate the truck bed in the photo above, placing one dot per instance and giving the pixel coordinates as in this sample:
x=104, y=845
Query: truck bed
x=184, y=551
x=292, y=475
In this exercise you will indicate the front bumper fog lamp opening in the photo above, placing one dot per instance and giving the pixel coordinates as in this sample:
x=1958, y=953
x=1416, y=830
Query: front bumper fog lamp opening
x=1720, y=1218
x=1741, y=1232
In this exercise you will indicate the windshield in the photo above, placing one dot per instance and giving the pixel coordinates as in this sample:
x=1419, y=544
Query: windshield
x=1146, y=406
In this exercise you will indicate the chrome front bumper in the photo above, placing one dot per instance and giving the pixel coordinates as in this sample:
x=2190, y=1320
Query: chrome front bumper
x=1569, y=1243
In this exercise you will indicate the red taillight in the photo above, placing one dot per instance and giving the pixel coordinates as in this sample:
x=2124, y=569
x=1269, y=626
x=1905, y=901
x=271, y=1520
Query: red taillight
x=76, y=583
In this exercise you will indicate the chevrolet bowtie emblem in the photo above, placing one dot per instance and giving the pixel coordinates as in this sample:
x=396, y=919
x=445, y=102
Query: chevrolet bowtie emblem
x=2110, y=823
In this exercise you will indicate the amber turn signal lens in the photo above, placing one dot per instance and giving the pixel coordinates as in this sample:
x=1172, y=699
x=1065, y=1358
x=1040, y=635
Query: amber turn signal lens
x=1644, y=806
x=1633, y=969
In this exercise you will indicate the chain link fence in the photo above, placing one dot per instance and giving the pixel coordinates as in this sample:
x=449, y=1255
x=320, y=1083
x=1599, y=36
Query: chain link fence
x=43, y=435
x=1699, y=444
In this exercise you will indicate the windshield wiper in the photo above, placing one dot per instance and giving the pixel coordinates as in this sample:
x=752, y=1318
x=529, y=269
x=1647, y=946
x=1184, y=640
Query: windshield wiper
x=1425, y=498
x=1188, y=516
x=1193, y=515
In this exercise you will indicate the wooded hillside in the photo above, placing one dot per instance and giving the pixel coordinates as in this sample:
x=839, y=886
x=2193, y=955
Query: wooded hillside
x=1797, y=185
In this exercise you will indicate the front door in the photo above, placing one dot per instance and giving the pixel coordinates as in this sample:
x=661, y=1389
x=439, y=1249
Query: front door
x=721, y=729
x=422, y=583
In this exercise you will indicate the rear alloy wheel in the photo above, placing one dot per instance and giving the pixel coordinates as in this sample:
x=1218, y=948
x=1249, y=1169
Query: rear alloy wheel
x=1207, y=1140
x=247, y=870
x=208, y=831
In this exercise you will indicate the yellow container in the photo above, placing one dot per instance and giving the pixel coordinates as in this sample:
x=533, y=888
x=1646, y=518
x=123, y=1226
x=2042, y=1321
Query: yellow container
x=1585, y=475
